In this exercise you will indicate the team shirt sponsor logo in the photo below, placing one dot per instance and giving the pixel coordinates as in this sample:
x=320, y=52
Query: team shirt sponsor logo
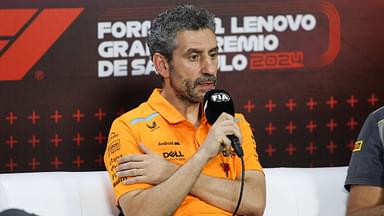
x=166, y=143
x=112, y=136
x=152, y=126
x=114, y=146
x=113, y=164
x=358, y=146
x=119, y=180
x=174, y=155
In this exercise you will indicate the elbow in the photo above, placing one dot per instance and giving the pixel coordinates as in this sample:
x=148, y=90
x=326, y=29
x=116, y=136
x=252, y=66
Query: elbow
x=254, y=209
x=258, y=211
x=353, y=212
x=129, y=203
x=255, y=199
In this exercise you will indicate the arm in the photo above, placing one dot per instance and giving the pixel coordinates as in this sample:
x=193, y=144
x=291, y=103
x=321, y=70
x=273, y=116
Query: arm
x=178, y=184
x=216, y=191
x=224, y=193
x=365, y=171
x=175, y=188
x=365, y=201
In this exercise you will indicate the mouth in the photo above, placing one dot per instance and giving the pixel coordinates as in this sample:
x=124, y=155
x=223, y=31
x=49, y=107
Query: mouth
x=206, y=85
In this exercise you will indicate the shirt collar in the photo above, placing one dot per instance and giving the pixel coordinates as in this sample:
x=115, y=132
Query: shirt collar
x=166, y=109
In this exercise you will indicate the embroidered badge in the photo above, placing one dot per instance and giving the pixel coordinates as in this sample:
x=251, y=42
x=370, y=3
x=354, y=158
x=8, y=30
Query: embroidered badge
x=152, y=126
x=358, y=146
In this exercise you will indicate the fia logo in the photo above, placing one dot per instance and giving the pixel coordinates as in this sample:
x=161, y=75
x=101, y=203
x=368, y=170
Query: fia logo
x=220, y=97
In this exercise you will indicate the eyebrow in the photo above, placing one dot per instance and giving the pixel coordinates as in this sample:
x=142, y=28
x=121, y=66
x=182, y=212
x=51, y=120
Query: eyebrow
x=194, y=50
x=216, y=49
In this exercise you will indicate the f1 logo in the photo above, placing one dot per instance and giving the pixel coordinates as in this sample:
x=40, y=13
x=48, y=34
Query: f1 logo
x=27, y=34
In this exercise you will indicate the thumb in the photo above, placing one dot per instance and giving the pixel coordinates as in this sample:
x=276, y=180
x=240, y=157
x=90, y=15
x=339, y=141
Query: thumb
x=145, y=149
x=224, y=116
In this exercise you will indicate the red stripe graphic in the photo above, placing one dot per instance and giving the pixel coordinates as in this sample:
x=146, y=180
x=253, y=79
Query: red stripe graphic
x=11, y=20
x=334, y=33
x=35, y=41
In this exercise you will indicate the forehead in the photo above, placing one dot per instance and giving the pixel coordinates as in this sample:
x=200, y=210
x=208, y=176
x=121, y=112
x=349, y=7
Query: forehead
x=203, y=39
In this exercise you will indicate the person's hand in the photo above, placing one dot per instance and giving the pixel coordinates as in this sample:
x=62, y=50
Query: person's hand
x=148, y=168
x=217, y=140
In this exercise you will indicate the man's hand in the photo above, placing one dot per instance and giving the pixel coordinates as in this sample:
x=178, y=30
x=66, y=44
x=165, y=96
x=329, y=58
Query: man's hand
x=153, y=169
x=217, y=140
x=148, y=168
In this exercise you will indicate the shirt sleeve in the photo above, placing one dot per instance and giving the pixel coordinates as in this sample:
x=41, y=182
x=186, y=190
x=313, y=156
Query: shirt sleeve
x=121, y=142
x=366, y=163
x=251, y=158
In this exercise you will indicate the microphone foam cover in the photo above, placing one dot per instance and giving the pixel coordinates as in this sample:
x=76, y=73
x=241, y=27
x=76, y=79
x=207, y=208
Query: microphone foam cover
x=217, y=101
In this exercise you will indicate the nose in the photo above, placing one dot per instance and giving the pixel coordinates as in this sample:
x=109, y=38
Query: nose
x=209, y=65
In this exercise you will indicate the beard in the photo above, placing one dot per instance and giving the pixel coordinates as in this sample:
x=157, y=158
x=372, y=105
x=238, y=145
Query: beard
x=186, y=89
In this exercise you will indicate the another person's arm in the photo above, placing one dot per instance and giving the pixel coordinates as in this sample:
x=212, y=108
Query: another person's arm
x=365, y=201
x=365, y=178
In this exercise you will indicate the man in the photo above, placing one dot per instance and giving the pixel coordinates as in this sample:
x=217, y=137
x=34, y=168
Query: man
x=163, y=157
x=365, y=178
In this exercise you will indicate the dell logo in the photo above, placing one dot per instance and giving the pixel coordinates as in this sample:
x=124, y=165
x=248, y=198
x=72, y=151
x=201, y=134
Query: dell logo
x=173, y=154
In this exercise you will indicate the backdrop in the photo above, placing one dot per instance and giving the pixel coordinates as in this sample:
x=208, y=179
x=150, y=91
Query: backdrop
x=305, y=74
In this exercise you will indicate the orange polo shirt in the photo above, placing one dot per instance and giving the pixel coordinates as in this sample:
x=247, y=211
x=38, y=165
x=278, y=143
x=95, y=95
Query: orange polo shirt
x=160, y=127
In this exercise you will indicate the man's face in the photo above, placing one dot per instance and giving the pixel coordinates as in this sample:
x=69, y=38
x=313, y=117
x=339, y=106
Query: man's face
x=194, y=64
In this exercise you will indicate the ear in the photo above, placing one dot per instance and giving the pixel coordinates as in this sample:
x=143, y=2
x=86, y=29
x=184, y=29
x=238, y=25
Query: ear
x=161, y=65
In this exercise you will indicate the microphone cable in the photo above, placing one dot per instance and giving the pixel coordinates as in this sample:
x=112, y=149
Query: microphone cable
x=241, y=186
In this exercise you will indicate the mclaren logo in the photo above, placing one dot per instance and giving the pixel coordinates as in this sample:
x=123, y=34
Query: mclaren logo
x=27, y=34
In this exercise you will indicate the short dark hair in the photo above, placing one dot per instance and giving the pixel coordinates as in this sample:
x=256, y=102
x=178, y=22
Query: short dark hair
x=162, y=34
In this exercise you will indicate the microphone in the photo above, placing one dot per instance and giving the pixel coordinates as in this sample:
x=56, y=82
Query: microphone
x=217, y=101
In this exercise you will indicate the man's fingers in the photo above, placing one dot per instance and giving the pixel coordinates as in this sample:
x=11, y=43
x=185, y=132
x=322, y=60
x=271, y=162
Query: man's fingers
x=225, y=147
x=226, y=142
x=130, y=165
x=134, y=180
x=230, y=130
x=130, y=173
x=229, y=126
x=226, y=151
x=224, y=116
x=132, y=158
